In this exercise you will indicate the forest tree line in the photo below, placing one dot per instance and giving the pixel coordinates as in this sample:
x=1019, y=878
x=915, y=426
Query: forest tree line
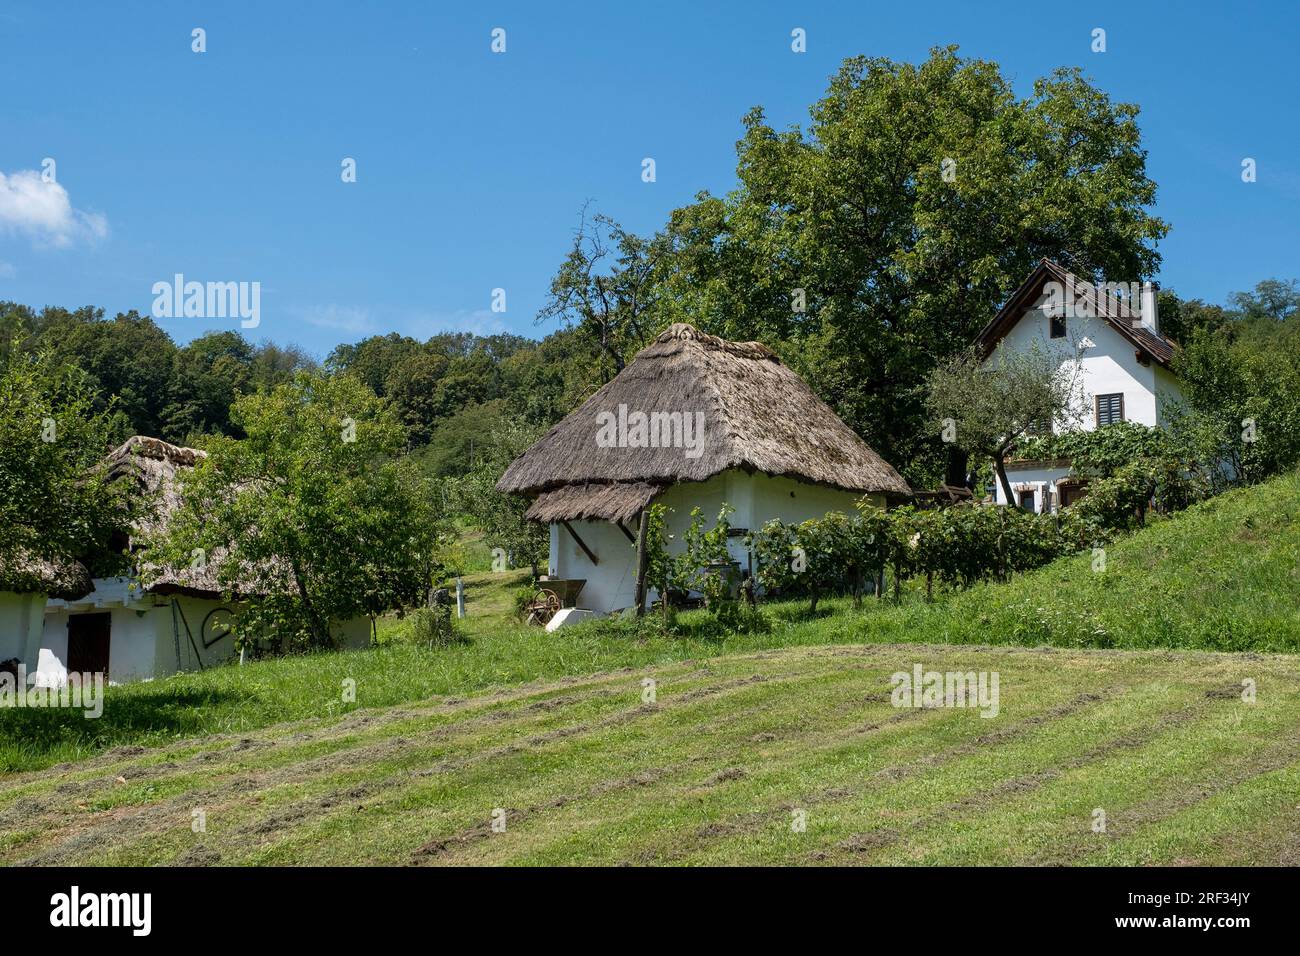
x=866, y=248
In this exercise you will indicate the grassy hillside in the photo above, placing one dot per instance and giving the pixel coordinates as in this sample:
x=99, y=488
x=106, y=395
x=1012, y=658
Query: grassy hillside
x=716, y=769
x=1225, y=575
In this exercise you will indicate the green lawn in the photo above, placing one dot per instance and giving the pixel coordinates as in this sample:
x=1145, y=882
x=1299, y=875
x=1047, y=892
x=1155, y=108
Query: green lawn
x=716, y=768
x=550, y=728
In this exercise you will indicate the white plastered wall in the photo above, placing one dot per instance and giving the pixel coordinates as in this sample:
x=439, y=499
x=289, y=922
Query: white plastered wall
x=21, y=616
x=1109, y=366
x=151, y=635
x=757, y=498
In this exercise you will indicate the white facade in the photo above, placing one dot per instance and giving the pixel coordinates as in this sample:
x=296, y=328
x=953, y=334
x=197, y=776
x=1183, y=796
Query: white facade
x=756, y=498
x=1108, y=365
x=149, y=635
x=21, y=618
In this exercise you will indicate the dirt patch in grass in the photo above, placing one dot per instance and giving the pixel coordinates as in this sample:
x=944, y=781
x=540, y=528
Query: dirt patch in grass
x=1130, y=821
x=977, y=803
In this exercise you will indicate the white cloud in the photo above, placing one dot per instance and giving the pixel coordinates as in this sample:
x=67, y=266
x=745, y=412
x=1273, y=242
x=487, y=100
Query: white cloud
x=42, y=211
x=478, y=321
x=344, y=318
x=361, y=320
x=7, y=271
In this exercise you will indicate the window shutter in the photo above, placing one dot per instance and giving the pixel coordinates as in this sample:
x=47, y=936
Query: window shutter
x=1110, y=409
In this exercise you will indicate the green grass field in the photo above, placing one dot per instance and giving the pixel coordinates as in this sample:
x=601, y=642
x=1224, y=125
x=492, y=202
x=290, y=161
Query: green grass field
x=1098, y=710
x=584, y=771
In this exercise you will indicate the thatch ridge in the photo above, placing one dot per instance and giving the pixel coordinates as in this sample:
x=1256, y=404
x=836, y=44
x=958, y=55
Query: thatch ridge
x=156, y=466
x=756, y=413
x=152, y=463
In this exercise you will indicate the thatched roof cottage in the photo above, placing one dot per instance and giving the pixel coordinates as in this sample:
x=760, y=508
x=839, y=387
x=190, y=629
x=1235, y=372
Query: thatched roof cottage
x=693, y=421
x=134, y=630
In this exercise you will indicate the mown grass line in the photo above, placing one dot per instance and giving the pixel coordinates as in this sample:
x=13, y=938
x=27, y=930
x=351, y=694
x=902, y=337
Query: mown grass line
x=239, y=769
x=659, y=827
x=438, y=808
x=587, y=773
x=661, y=831
x=1046, y=817
x=888, y=806
x=298, y=781
x=99, y=772
x=1254, y=823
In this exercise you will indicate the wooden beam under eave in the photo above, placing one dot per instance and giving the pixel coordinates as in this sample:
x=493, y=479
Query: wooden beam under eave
x=582, y=544
x=642, y=562
x=627, y=534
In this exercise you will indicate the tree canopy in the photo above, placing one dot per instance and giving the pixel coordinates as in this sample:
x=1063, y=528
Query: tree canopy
x=315, y=505
x=56, y=504
x=874, y=244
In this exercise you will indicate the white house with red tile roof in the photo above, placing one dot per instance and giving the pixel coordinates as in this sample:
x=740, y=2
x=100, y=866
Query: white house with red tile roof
x=1110, y=342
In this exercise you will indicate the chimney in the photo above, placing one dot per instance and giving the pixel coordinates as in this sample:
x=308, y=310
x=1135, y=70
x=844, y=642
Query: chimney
x=1150, y=311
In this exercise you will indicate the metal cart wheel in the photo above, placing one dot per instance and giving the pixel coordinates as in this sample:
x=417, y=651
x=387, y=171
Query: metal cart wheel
x=544, y=606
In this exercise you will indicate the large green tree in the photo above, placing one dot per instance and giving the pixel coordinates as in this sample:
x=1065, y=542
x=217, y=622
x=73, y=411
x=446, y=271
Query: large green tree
x=56, y=504
x=874, y=243
x=315, y=504
x=1241, y=390
x=501, y=516
x=128, y=359
x=606, y=289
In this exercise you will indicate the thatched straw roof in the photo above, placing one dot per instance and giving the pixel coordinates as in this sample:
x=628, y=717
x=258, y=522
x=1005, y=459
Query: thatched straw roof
x=156, y=465
x=27, y=574
x=614, y=501
x=754, y=412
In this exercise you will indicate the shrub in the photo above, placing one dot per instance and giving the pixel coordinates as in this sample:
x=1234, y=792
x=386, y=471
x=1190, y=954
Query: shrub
x=737, y=617
x=1100, y=452
x=701, y=566
x=775, y=556
x=705, y=552
x=433, y=627
x=523, y=596
x=831, y=554
x=1122, y=500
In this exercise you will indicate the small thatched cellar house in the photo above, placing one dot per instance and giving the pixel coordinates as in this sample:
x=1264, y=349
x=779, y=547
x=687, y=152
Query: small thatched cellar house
x=176, y=623
x=694, y=421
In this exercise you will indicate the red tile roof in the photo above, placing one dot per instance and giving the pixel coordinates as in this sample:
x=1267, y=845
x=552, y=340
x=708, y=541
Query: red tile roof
x=1115, y=311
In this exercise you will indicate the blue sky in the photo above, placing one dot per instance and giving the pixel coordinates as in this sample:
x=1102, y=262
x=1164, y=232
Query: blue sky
x=472, y=166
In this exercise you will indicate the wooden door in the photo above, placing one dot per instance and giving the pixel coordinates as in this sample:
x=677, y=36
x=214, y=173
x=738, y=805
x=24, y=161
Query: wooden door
x=88, y=643
x=1072, y=493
